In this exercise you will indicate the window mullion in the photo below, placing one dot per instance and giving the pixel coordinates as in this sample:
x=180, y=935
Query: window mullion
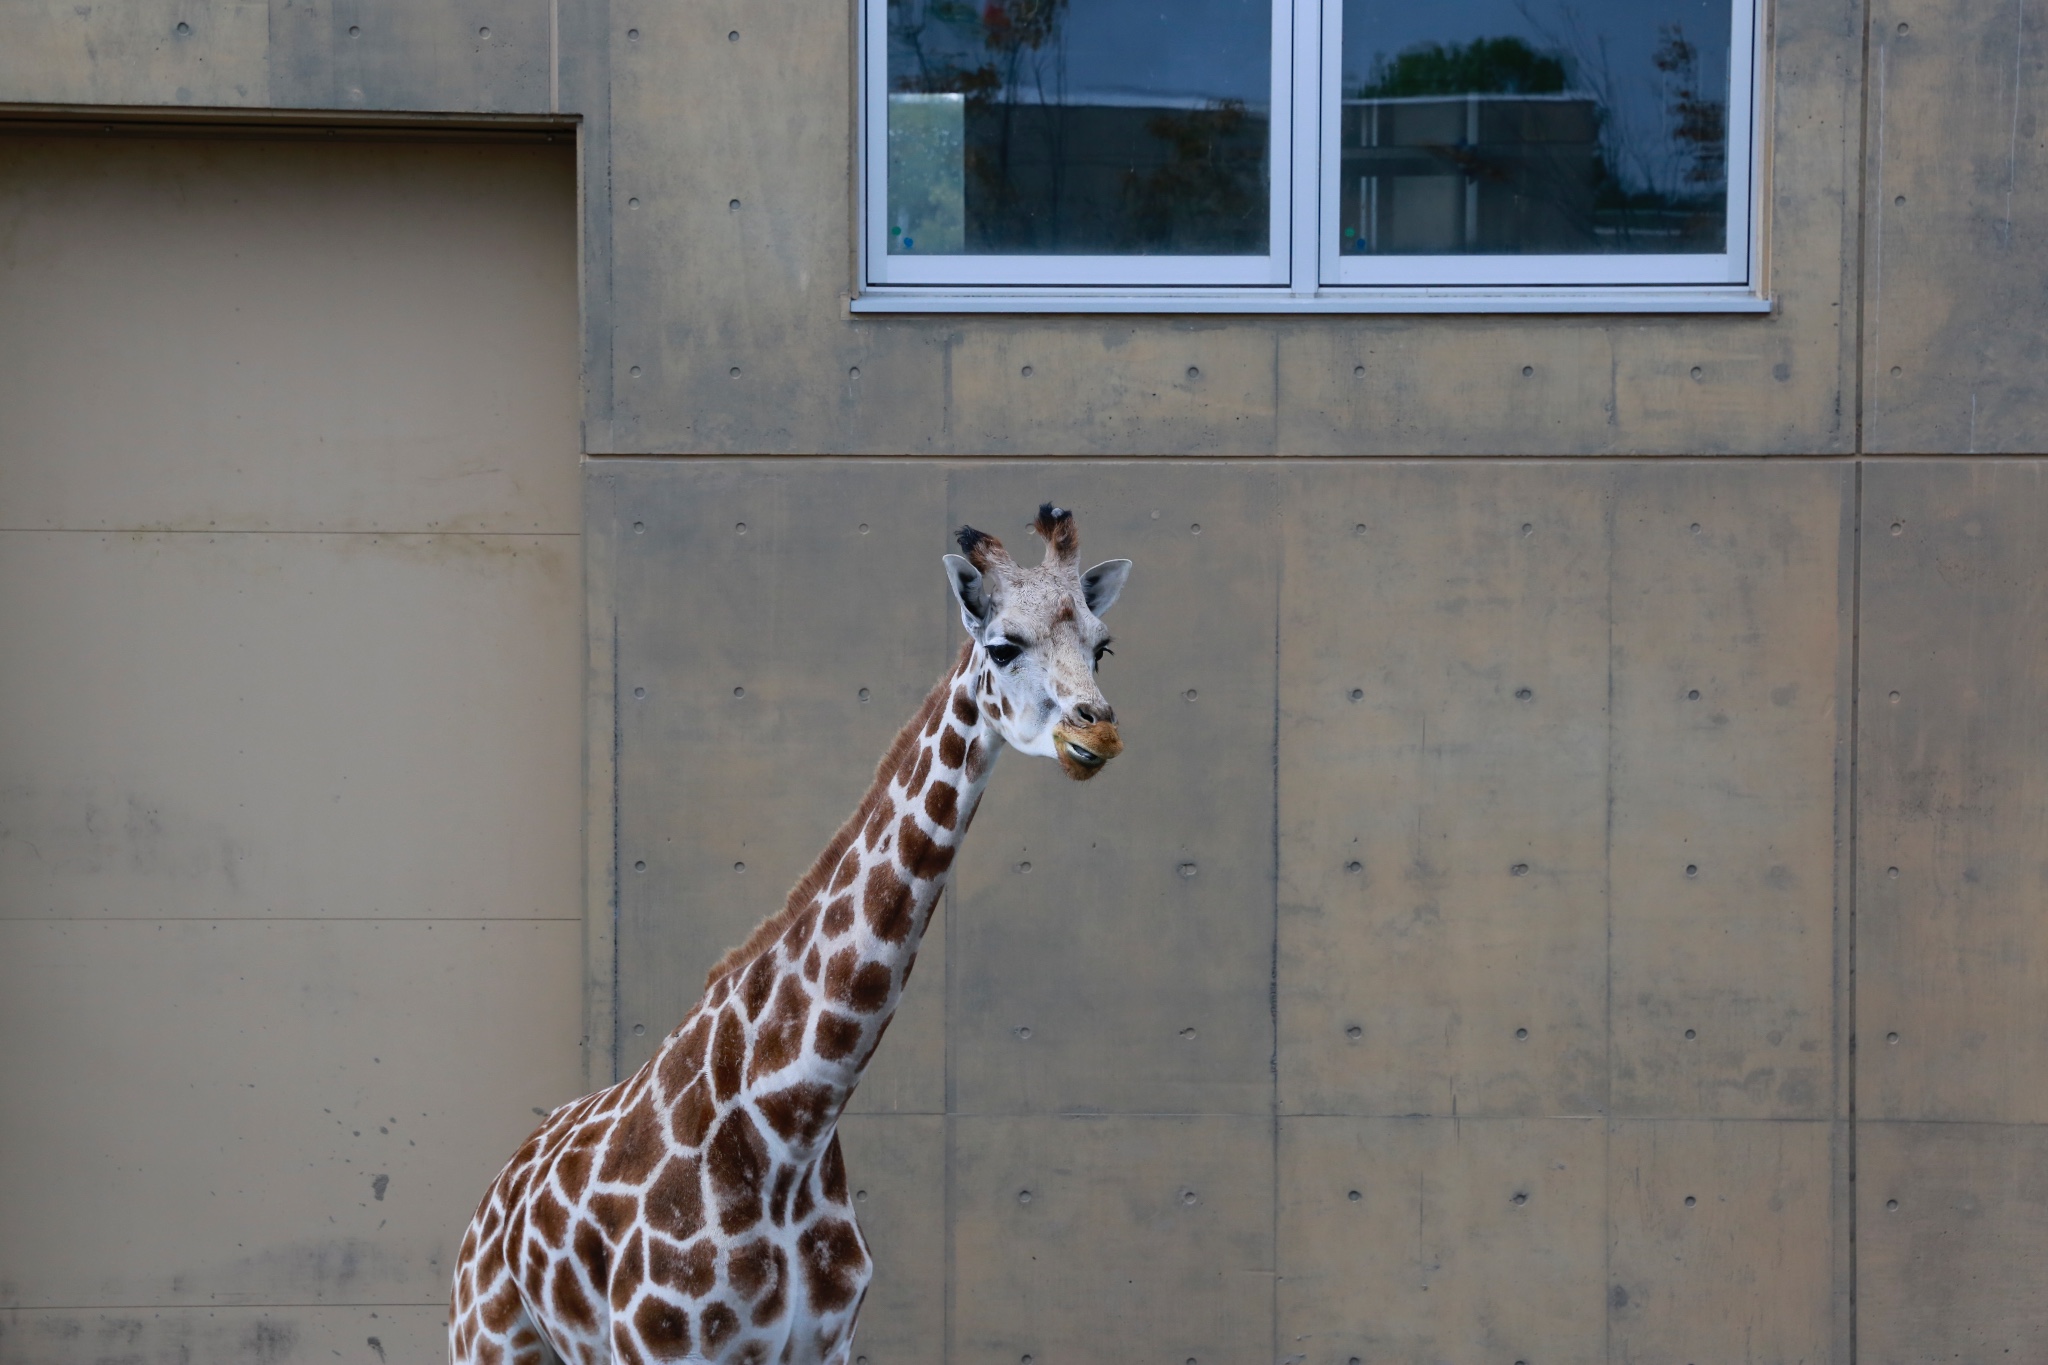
x=1305, y=171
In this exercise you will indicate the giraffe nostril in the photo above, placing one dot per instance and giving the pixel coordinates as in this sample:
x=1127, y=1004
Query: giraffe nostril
x=1086, y=714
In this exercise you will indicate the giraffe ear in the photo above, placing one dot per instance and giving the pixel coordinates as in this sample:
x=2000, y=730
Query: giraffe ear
x=972, y=591
x=1101, y=584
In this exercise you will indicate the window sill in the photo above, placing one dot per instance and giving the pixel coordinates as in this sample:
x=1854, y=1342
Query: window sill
x=966, y=299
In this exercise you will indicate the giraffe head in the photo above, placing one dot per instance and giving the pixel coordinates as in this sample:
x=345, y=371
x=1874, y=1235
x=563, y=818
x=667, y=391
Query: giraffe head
x=1038, y=637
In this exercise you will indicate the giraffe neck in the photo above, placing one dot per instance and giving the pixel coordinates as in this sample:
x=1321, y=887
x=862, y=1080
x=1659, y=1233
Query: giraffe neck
x=817, y=984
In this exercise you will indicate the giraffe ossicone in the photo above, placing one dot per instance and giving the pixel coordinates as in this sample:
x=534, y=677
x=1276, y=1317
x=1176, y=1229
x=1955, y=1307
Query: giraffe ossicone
x=698, y=1209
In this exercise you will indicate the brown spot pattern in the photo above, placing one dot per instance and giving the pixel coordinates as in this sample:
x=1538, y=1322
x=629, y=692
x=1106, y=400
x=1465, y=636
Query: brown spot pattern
x=595, y=1254
x=869, y=989
x=966, y=710
x=693, y=1115
x=952, y=749
x=501, y=1309
x=780, y=1039
x=759, y=980
x=627, y=1273
x=923, y=857
x=635, y=1148
x=738, y=1161
x=690, y=1271
x=848, y=869
x=665, y=1327
x=977, y=761
x=831, y=1255
x=778, y=1200
x=837, y=1036
x=832, y=1173
x=800, y=1112
x=550, y=1217
x=942, y=804
x=728, y=1056
x=720, y=1323
x=614, y=1213
x=918, y=774
x=813, y=963
x=886, y=902
x=838, y=916
x=675, y=1202
x=570, y=1302
x=624, y=1348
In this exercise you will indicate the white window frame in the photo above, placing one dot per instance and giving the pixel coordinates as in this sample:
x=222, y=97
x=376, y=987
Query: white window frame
x=1305, y=272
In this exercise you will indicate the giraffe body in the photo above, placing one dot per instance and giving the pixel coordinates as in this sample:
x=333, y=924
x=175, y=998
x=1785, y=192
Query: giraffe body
x=698, y=1210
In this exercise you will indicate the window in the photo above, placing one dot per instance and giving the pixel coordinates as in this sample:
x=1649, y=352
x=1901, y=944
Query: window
x=1326, y=155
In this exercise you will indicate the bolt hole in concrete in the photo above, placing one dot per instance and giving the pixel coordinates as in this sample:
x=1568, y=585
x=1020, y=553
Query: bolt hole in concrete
x=1188, y=695
x=1692, y=869
x=1691, y=1034
x=1358, y=694
x=863, y=691
x=354, y=31
x=1023, y=1031
x=1187, y=1197
x=1528, y=371
x=1520, y=1199
x=739, y=691
x=1358, y=371
x=483, y=33
x=1519, y=870
x=1355, y=1195
x=1891, y=872
x=1892, y=1038
x=640, y=867
x=635, y=372
x=1023, y=867
x=1695, y=528
x=1690, y=1201
x=1196, y=528
x=1895, y=699
x=1528, y=528
x=1898, y=370
x=1026, y=372
x=863, y=525
x=1693, y=695
x=1354, y=1033
x=1891, y=1206
x=853, y=372
x=1359, y=529
x=632, y=35
x=1188, y=869
x=1898, y=528
x=733, y=206
x=639, y=528
x=1023, y=1196
x=739, y=867
x=1354, y=867
x=1521, y=1035
x=184, y=30
x=734, y=372
x=733, y=36
x=1187, y=1035
x=1698, y=373
x=739, y=528
x=1194, y=372
x=639, y=1030
x=639, y=694
x=1904, y=29
x=1524, y=694
x=861, y=1195
x=1899, y=202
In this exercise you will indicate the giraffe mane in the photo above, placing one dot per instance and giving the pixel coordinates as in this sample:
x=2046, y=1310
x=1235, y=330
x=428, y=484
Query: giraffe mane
x=812, y=884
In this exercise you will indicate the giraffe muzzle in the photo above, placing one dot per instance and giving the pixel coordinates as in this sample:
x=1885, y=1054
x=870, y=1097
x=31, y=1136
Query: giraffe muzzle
x=1085, y=750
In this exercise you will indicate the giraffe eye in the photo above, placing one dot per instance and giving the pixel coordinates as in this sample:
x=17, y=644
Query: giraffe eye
x=1004, y=653
x=1102, y=651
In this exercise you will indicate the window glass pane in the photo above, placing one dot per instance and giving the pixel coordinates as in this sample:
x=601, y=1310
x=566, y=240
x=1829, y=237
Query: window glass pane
x=1080, y=127
x=1505, y=127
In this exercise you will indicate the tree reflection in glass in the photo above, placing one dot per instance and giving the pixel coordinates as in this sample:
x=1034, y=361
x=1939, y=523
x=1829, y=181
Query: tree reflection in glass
x=1500, y=127
x=1079, y=127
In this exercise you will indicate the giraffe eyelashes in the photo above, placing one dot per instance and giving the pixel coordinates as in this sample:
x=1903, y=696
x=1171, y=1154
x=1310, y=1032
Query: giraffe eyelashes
x=1004, y=653
x=1102, y=651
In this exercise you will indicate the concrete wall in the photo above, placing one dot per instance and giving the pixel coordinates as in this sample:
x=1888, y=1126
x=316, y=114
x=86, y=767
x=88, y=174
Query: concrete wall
x=289, y=869
x=1855, y=784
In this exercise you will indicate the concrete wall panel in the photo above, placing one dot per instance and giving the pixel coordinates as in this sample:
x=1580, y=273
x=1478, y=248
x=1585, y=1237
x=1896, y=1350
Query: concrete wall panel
x=164, y=52
x=1731, y=582
x=274, y=1336
x=1437, y=1239
x=1147, y=1238
x=896, y=1164
x=1953, y=262
x=753, y=741
x=1954, y=775
x=155, y=392
x=255, y=725
x=248, y=1113
x=1952, y=1235
x=1129, y=970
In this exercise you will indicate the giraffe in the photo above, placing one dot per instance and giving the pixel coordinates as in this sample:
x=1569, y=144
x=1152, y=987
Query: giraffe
x=698, y=1210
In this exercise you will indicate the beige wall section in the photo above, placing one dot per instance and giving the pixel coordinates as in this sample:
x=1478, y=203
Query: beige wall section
x=1951, y=881
x=1389, y=897
x=290, y=880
